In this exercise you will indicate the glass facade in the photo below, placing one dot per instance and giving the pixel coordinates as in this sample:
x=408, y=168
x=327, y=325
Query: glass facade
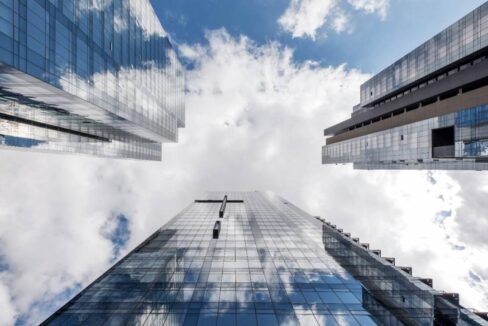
x=411, y=300
x=425, y=111
x=269, y=263
x=413, y=146
x=463, y=38
x=267, y=267
x=85, y=76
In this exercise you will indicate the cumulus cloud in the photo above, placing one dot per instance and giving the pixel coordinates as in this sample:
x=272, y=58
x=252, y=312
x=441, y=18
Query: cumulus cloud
x=6, y=305
x=305, y=18
x=255, y=120
x=371, y=6
x=472, y=224
x=341, y=22
x=422, y=229
x=52, y=228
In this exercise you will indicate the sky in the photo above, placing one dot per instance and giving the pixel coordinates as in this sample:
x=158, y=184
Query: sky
x=264, y=78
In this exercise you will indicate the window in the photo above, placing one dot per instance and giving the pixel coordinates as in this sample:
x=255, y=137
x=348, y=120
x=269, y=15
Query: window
x=443, y=142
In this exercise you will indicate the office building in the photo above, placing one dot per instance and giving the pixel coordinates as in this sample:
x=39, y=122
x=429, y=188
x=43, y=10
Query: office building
x=428, y=110
x=89, y=77
x=253, y=258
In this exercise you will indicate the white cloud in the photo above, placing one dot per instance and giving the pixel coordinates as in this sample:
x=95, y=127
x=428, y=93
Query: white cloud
x=53, y=239
x=371, y=6
x=305, y=18
x=6, y=306
x=255, y=121
x=341, y=22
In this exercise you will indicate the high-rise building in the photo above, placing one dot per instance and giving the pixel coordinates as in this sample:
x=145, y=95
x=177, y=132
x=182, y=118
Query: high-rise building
x=86, y=76
x=428, y=110
x=253, y=258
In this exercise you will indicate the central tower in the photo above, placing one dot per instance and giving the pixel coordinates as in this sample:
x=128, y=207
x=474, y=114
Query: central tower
x=253, y=258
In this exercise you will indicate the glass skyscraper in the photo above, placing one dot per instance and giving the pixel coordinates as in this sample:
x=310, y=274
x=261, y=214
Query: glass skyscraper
x=88, y=76
x=428, y=110
x=253, y=258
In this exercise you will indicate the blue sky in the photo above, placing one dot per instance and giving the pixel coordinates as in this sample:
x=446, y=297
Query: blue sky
x=371, y=46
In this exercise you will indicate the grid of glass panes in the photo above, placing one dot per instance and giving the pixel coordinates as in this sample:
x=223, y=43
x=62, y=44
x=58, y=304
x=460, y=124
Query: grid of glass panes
x=444, y=164
x=268, y=267
x=461, y=39
x=110, y=55
x=413, y=142
x=93, y=138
